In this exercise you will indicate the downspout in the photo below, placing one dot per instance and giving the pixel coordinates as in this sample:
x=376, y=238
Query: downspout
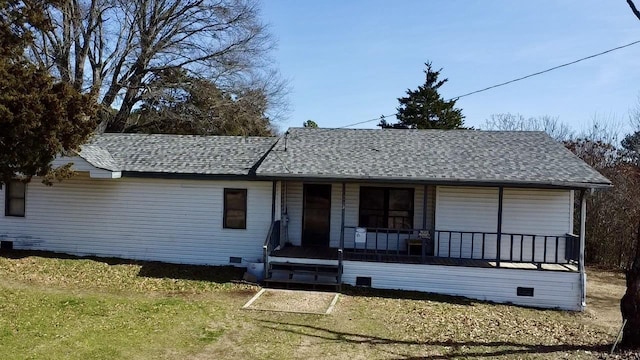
x=583, y=274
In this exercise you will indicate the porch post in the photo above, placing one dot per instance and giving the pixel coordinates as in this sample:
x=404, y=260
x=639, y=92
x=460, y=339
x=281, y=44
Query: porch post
x=424, y=208
x=499, y=230
x=423, y=245
x=342, y=217
x=273, y=201
x=284, y=213
x=583, y=222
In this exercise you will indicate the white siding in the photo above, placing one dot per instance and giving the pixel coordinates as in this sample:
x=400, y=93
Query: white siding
x=525, y=211
x=536, y=212
x=470, y=209
x=552, y=289
x=466, y=208
x=152, y=219
x=293, y=208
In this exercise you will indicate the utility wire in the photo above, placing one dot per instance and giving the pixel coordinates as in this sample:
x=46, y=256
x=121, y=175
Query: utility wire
x=510, y=81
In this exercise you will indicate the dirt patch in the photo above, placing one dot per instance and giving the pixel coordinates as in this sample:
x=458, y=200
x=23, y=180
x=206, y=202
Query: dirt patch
x=296, y=301
x=604, y=291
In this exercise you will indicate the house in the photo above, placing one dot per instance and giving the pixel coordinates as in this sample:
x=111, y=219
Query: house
x=486, y=215
x=181, y=199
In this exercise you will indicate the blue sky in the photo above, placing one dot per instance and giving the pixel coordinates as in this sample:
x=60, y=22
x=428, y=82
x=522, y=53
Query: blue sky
x=349, y=61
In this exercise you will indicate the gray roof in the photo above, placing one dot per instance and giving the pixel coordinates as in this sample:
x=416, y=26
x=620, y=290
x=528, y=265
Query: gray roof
x=98, y=157
x=442, y=156
x=176, y=154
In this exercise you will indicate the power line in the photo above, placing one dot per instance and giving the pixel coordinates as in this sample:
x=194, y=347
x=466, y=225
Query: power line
x=511, y=81
x=548, y=70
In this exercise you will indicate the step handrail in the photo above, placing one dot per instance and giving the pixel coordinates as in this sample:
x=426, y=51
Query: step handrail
x=269, y=242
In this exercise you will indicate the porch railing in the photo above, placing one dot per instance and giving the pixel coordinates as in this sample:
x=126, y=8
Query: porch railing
x=419, y=245
x=271, y=242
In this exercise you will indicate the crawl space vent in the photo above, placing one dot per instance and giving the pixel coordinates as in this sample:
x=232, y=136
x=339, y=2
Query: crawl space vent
x=363, y=281
x=235, y=260
x=525, y=291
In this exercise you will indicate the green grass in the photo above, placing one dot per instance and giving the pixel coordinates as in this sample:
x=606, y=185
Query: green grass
x=70, y=308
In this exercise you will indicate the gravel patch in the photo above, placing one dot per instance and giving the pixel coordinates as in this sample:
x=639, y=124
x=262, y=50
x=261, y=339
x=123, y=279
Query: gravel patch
x=296, y=301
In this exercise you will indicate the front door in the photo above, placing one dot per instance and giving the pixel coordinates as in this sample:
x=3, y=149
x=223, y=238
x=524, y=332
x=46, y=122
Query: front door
x=316, y=215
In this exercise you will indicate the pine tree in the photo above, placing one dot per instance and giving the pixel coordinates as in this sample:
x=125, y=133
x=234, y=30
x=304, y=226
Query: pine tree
x=39, y=118
x=424, y=108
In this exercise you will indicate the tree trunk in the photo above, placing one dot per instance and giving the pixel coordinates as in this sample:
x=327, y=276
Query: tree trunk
x=630, y=303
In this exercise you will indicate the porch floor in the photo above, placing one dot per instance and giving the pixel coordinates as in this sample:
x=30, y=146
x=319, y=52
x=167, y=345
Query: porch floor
x=402, y=257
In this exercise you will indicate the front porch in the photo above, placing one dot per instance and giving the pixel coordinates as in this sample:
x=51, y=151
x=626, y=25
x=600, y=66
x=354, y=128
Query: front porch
x=492, y=243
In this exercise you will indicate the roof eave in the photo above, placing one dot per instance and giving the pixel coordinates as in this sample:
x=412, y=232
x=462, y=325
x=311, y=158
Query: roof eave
x=433, y=181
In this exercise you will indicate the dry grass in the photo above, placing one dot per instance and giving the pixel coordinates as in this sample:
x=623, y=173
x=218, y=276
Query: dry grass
x=61, y=308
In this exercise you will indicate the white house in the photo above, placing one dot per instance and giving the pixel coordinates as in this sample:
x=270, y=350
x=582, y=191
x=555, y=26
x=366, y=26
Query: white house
x=486, y=215
x=181, y=199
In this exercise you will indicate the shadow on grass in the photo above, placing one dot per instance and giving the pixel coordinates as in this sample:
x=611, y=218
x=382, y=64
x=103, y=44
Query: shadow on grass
x=407, y=295
x=150, y=269
x=458, y=349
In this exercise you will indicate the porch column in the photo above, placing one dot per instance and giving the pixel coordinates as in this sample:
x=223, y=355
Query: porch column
x=423, y=245
x=342, y=217
x=273, y=201
x=499, y=230
x=284, y=213
x=583, y=222
x=424, y=208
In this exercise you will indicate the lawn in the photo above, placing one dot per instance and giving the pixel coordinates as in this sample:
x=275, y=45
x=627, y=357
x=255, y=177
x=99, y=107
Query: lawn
x=57, y=307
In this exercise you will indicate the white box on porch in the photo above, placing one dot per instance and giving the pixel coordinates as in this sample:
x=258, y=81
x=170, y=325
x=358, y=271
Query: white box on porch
x=360, y=239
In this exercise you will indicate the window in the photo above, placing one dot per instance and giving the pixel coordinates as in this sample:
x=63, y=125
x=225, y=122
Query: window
x=14, y=198
x=382, y=207
x=235, y=208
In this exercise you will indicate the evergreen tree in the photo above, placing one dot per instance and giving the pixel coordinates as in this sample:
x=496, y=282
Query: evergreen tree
x=310, y=124
x=424, y=108
x=39, y=118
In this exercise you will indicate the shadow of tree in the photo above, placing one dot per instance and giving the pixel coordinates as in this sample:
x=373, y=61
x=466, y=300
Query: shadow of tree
x=407, y=295
x=458, y=348
x=150, y=269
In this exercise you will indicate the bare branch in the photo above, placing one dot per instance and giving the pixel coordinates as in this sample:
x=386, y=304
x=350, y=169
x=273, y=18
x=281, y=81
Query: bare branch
x=634, y=9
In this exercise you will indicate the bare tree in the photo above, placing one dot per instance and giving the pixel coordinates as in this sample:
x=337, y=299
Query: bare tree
x=124, y=43
x=606, y=129
x=517, y=122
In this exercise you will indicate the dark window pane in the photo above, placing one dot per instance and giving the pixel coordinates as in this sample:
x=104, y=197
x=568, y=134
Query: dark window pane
x=235, y=219
x=400, y=222
x=371, y=198
x=400, y=199
x=372, y=218
x=16, y=189
x=235, y=208
x=16, y=207
x=386, y=207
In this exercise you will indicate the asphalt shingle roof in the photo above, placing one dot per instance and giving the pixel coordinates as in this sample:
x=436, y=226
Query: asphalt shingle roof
x=446, y=156
x=177, y=154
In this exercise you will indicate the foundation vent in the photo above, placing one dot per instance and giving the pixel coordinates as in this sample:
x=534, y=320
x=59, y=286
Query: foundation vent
x=525, y=291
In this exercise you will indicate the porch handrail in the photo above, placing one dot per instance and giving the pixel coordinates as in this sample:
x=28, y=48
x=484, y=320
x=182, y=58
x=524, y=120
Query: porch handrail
x=270, y=242
x=475, y=245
